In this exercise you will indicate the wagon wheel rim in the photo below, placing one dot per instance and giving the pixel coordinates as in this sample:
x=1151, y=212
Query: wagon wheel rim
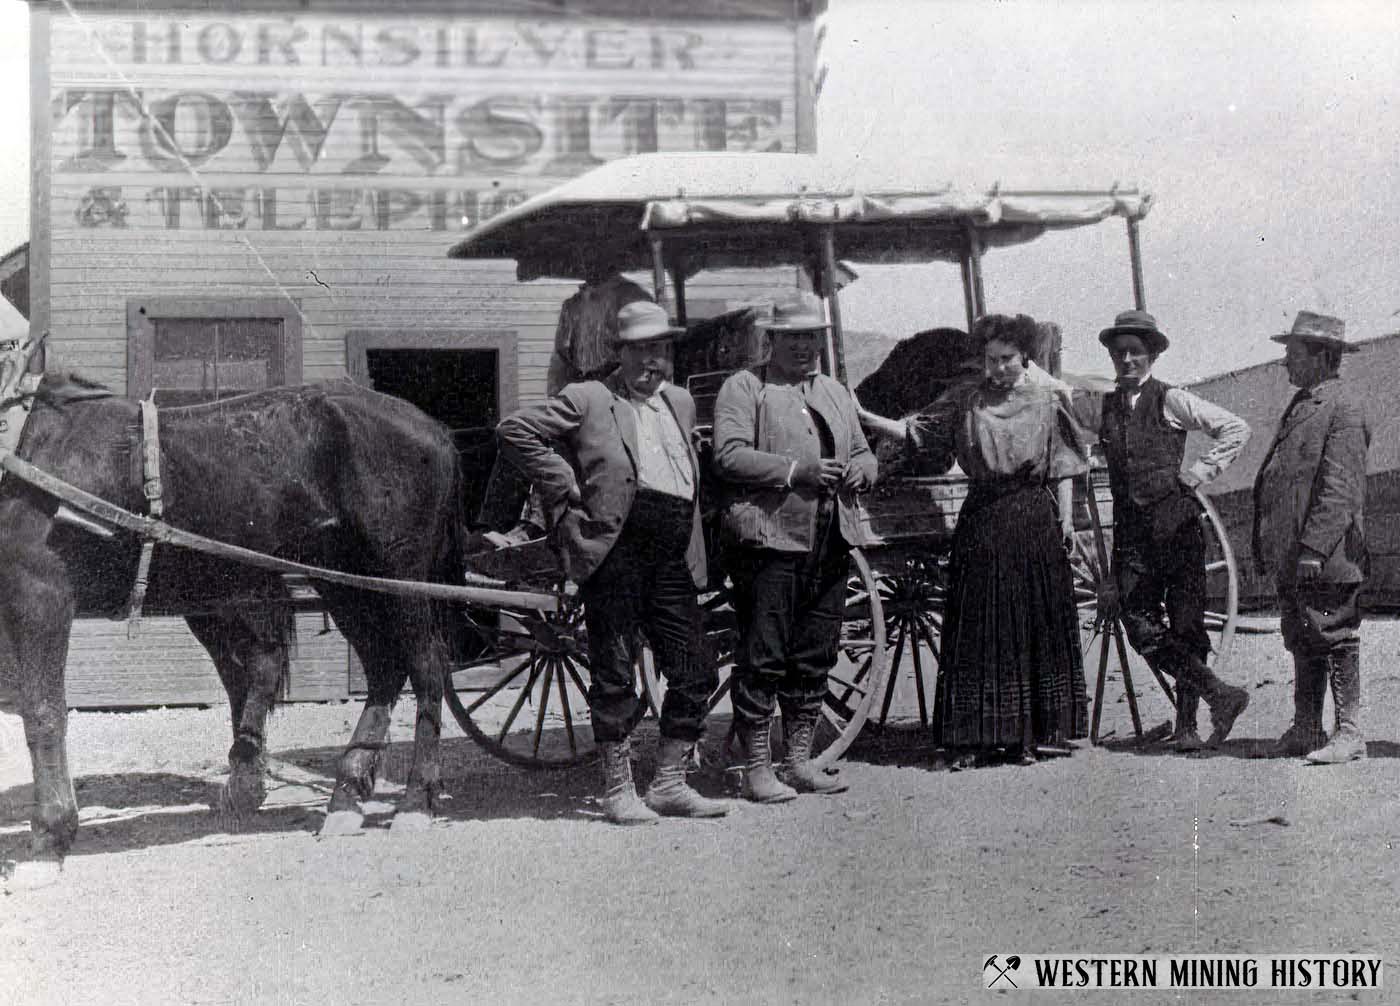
x=1222, y=581
x=854, y=684
x=525, y=696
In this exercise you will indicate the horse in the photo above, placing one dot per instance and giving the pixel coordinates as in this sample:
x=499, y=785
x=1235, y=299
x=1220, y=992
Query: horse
x=331, y=475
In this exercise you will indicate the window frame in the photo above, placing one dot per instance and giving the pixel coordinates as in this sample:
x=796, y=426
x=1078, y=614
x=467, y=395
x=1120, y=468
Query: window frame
x=143, y=312
x=505, y=342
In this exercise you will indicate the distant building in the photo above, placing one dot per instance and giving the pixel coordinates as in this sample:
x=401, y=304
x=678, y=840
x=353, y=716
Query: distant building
x=1259, y=394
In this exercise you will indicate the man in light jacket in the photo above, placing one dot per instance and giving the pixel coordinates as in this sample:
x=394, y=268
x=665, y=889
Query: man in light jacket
x=790, y=451
x=615, y=466
x=1309, y=531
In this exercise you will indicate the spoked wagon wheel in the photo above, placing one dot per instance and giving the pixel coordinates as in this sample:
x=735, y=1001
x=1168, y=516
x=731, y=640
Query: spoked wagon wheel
x=853, y=685
x=913, y=593
x=524, y=697
x=1222, y=588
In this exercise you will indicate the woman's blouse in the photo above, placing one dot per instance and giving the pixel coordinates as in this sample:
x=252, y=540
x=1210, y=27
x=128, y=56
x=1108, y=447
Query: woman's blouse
x=1026, y=433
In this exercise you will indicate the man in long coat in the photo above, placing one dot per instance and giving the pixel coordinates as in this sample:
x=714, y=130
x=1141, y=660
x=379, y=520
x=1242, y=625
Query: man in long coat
x=1309, y=532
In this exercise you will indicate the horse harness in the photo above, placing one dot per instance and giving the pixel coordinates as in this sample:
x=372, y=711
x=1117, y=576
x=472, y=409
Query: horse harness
x=153, y=489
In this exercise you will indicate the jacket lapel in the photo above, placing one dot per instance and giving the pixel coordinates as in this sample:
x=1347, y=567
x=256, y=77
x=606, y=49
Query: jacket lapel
x=625, y=419
x=685, y=426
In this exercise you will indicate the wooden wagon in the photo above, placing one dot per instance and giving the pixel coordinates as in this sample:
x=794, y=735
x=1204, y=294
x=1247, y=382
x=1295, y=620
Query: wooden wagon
x=675, y=216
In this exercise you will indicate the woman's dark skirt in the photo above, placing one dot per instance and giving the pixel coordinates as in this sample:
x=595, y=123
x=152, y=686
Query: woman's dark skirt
x=1011, y=670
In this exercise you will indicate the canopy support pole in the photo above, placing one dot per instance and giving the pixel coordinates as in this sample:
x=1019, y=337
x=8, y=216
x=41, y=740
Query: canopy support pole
x=833, y=300
x=658, y=276
x=1135, y=258
x=968, y=303
x=678, y=294
x=974, y=254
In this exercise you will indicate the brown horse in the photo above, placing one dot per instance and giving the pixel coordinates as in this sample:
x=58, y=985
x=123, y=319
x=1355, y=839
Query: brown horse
x=332, y=475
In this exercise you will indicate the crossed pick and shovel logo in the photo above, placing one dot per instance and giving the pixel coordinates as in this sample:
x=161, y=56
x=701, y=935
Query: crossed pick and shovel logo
x=1012, y=963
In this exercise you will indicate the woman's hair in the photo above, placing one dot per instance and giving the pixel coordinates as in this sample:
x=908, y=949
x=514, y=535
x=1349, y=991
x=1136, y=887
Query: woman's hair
x=1019, y=331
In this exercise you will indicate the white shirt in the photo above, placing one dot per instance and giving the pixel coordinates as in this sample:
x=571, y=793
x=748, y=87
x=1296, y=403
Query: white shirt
x=1227, y=431
x=663, y=456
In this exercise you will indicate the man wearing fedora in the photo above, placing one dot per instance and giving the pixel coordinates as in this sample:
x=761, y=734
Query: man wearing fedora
x=790, y=451
x=616, y=469
x=1309, y=532
x=1159, y=586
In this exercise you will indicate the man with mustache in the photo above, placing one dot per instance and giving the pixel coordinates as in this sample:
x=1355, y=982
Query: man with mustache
x=615, y=466
x=1309, y=531
x=790, y=450
x=1159, y=584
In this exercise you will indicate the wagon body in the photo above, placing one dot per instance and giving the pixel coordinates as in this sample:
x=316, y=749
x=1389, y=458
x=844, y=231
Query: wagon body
x=674, y=216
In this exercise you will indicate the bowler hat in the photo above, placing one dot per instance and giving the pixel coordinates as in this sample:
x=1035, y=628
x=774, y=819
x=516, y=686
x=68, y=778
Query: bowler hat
x=1318, y=328
x=1140, y=324
x=644, y=321
x=801, y=312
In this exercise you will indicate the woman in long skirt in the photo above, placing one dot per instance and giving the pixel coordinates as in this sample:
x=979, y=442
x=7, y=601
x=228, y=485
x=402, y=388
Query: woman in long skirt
x=1012, y=675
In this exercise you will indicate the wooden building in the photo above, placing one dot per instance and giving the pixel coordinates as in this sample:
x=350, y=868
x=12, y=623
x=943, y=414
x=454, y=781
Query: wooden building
x=1259, y=394
x=235, y=195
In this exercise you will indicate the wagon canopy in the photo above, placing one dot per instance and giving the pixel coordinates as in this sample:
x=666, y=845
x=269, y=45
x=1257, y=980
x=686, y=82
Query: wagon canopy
x=722, y=210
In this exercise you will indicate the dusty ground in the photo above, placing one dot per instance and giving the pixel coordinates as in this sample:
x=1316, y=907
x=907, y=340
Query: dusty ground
x=893, y=893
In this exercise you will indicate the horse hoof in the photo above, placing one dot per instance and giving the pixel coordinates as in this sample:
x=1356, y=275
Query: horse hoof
x=241, y=796
x=29, y=876
x=410, y=821
x=342, y=822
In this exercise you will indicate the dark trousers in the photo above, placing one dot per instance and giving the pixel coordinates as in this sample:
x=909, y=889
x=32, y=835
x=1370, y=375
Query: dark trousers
x=1319, y=618
x=1162, y=588
x=644, y=586
x=790, y=606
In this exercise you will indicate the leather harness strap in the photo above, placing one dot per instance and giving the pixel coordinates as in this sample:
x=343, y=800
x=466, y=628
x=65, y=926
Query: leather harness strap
x=153, y=489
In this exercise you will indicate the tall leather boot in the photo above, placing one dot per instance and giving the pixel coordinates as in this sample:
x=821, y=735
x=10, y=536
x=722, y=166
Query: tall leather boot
x=621, y=804
x=761, y=785
x=669, y=794
x=1305, y=735
x=1188, y=705
x=1347, y=743
x=797, y=770
x=1226, y=702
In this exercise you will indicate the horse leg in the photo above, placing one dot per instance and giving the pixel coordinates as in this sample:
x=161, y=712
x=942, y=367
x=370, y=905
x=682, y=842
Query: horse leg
x=427, y=662
x=36, y=614
x=252, y=665
x=369, y=626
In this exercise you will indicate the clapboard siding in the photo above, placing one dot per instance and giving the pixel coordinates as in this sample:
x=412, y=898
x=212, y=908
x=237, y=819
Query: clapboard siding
x=164, y=665
x=349, y=211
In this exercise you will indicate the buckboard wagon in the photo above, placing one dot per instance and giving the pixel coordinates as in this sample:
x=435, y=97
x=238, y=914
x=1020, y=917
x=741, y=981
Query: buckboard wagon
x=674, y=216
x=520, y=687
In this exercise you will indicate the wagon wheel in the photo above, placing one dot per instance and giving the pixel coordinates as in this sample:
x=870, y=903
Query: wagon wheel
x=913, y=594
x=853, y=685
x=524, y=697
x=1222, y=581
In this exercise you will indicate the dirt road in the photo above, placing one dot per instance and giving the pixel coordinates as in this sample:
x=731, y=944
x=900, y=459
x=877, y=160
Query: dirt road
x=893, y=893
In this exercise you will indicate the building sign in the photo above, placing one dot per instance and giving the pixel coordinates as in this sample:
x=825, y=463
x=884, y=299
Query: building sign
x=317, y=123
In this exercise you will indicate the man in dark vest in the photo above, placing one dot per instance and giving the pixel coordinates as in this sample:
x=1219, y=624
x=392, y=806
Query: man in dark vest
x=1309, y=532
x=1158, y=538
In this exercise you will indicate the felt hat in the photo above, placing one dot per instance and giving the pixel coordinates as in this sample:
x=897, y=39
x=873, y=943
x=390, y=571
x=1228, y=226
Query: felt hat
x=1320, y=329
x=802, y=312
x=1140, y=324
x=644, y=321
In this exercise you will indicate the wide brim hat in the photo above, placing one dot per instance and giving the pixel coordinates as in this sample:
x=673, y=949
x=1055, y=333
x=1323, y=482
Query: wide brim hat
x=644, y=321
x=1140, y=324
x=1319, y=329
x=801, y=312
